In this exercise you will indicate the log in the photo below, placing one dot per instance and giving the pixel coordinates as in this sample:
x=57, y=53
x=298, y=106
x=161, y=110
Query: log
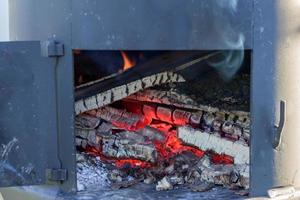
x=171, y=97
x=120, y=92
x=115, y=147
x=162, y=113
x=177, y=99
x=205, y=141
x=86, y=137
x=227, y=175
x=120, y=118
x=86, y=122
x=151, y=134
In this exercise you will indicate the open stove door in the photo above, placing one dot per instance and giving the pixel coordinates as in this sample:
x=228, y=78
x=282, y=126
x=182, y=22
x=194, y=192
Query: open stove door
x=28, y=117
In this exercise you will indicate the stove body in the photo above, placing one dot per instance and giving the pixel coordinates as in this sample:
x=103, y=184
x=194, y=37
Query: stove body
x=59, y=27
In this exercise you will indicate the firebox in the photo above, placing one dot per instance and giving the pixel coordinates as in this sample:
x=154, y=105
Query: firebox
x=165, y=118
x=121, y=93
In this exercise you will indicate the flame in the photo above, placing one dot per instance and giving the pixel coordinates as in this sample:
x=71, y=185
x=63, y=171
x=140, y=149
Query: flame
x=128, y=63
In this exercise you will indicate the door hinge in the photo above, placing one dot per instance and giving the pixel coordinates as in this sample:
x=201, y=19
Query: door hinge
x=56, y=174
x=52, y=48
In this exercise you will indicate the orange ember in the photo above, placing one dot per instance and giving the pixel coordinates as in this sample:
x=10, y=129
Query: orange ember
x=132, y=163
x=222, y=159
x=167, y=148
x=128, y=63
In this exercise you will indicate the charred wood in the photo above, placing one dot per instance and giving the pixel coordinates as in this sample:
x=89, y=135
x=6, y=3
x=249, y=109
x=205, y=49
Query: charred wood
x=119, y=147
x=120, y=118
x=120, y=92
x=205, y=141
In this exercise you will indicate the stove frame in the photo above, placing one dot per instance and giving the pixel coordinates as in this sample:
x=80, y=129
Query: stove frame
x=63, y=26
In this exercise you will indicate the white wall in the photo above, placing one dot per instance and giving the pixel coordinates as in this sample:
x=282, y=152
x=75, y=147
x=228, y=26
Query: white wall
x=4, y=20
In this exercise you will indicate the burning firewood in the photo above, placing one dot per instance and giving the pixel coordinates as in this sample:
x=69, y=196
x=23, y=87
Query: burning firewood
x=171, y=97
x=120, y=147
x=120, y=118
x=86, y=122
x=177, y=99
x=171, y=115
x=205, y=141
x=117, y=93
x=227, y=175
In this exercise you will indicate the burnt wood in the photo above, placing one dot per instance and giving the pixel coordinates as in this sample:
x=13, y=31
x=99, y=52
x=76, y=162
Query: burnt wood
x=166, y=62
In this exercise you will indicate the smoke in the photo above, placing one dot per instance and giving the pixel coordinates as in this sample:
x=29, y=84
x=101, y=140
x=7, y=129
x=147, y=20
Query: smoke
x=228, y=4
x=231, y=60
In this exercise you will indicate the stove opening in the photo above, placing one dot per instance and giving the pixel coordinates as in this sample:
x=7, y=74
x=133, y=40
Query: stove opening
x=170, y=119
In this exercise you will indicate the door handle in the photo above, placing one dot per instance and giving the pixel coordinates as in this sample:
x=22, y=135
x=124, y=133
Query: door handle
x=279, y=127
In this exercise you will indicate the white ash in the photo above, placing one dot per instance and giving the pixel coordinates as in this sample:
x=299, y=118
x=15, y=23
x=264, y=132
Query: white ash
x=91, y=172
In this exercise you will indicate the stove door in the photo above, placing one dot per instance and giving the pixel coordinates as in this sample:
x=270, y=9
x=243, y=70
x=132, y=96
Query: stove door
x=28, y=119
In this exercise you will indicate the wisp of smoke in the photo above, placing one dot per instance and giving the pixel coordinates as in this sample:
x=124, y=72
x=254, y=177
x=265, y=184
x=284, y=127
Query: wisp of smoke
x=231, y=60
x=228, y=4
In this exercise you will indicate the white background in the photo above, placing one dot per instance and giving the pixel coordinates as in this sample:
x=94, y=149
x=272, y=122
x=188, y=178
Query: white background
x=4, y=20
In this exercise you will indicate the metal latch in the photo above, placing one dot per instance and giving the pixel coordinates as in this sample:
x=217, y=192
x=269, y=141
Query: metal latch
x=280, y=125
x=52, y=48
x=56, y=174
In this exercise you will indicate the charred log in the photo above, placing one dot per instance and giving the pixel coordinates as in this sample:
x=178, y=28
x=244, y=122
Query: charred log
x=205, y=141
x=117, y=93
x=119, y=147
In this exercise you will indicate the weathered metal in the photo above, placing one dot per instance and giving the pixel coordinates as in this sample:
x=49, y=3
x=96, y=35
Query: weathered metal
x=28, y=120
x=135, y=24
x=107, y=24
x=275, y=159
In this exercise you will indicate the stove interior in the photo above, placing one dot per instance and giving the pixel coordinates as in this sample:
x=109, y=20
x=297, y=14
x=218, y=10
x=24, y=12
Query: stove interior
x=169, y=119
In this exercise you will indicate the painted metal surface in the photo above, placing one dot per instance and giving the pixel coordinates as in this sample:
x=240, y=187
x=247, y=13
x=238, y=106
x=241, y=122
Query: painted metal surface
x=44, y=20
x=160, y=25
x=136, y=24
x=275, y=79
x=28, y=120
x=128, y=24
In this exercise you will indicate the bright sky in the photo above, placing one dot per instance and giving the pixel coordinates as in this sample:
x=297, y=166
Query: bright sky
x=4, y=20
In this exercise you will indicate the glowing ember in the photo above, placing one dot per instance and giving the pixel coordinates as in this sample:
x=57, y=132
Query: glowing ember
x=167, y=148
x=221, y=159
x=132, y=163
x=128, y=63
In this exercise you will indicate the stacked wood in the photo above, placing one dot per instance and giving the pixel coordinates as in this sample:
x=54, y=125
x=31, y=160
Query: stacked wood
x=175, y=98
x=118, y=147
x=171, y=115
x=202, y=175
x=120, y=92
x=86, y=122
x=231, y=124
x=120, y=118
x=226, y=175
x=86, y=137
x=206, y=141
x=171, y=97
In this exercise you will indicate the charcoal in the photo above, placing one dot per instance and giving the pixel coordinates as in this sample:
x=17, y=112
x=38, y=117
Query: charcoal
x=86, y=122
x=116, y=147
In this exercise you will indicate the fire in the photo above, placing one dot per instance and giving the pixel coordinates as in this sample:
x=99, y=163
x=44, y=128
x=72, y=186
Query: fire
x=167, y=148
x=132, y=163
x=128, y=63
